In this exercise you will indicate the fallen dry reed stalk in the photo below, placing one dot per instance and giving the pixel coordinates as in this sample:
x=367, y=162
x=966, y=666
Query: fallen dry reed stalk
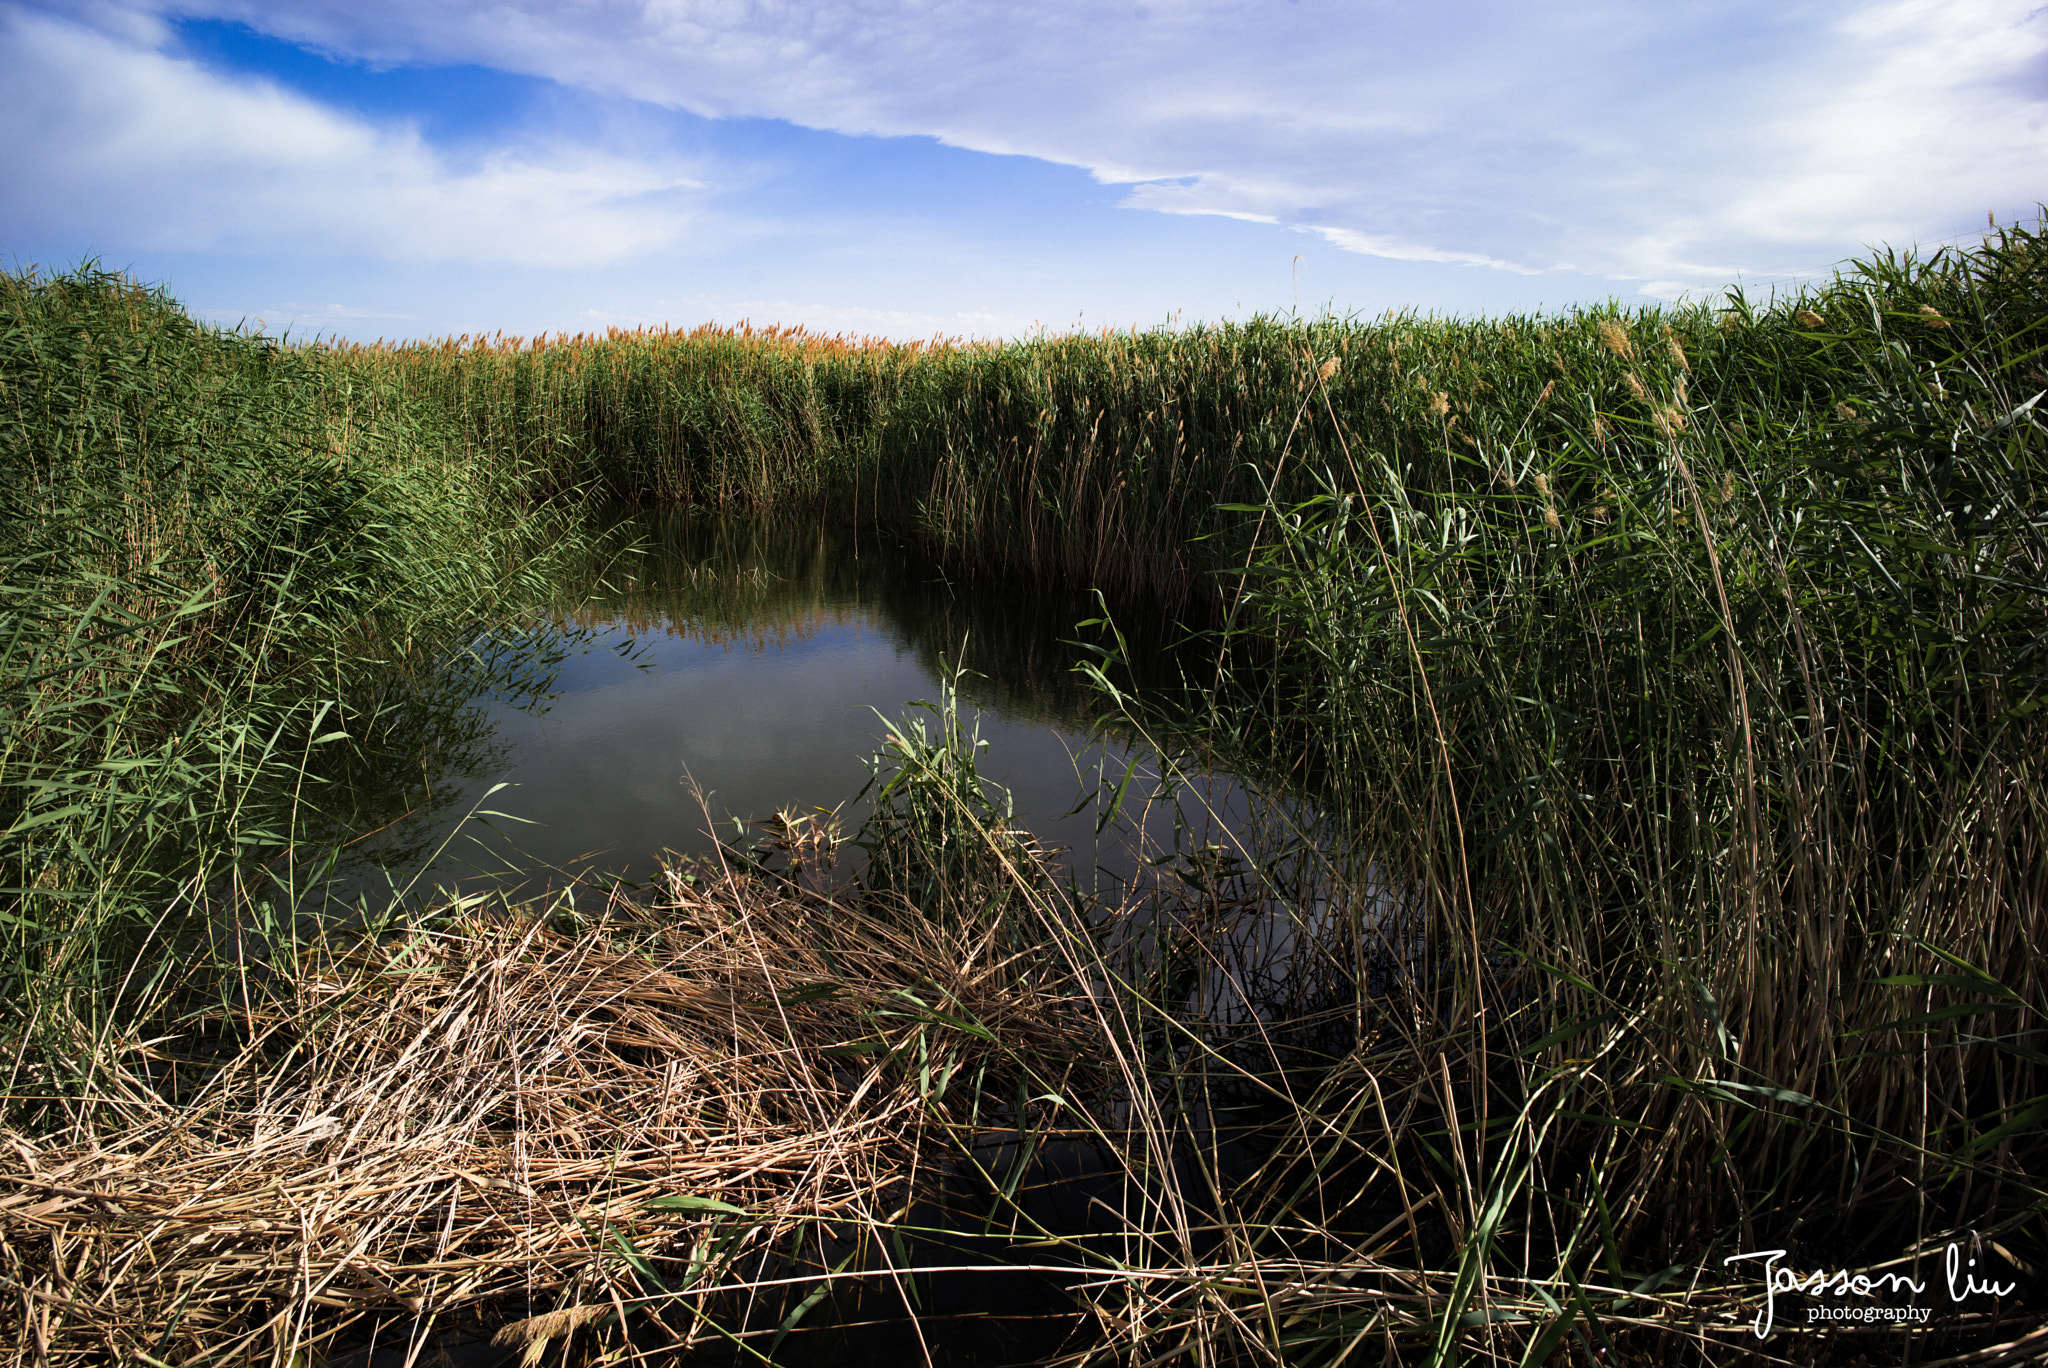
x=508, y=1113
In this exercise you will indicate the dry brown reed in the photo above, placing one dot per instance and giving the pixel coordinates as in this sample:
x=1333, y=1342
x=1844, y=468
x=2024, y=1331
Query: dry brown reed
x=508, y=1112
x=1614, y=336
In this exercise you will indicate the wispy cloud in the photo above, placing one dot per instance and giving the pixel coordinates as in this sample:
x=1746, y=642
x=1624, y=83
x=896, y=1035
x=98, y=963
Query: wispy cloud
x=1684, y=141
x=107, y=138
x=1170, y=156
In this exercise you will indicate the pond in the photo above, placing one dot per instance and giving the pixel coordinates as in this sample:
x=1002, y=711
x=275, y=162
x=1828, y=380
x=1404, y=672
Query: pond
x=712, y=674
x=717, y=673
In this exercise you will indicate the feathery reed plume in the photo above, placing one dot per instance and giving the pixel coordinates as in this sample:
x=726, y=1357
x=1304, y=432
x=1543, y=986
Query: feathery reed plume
x=553, y=1325
x=1614, y=336
x=1677, y=350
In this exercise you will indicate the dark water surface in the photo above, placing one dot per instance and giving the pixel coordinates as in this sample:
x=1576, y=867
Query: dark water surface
x=725, y=672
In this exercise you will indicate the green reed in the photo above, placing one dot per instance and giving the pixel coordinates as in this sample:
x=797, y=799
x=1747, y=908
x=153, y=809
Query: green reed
x=208, y=541
x=1690, y=699
x=713, y=418
x=1093, y=459
x=1675, y=674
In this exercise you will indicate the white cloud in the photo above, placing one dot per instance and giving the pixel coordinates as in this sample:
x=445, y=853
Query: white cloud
x=1398, y=250
x=1684, y=141
x=104, y=138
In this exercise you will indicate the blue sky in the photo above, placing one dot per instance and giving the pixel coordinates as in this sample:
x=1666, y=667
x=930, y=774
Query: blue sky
x=407, y=168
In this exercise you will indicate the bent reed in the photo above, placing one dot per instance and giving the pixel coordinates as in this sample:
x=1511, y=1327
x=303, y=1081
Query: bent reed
x=1665, y=687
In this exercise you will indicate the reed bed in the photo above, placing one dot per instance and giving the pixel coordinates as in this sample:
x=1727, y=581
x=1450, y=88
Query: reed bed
x=1696, y=711
x=1113, y=461
x=712, y=417
x=1661, y=694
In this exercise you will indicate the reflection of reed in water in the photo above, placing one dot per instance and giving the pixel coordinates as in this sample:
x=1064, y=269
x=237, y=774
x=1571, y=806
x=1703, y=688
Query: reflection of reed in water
x=749, y=609
x=756, y=584
x=384, y=799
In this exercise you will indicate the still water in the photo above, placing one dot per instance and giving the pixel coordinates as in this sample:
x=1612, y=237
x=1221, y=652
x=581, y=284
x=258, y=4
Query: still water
x=716, y=674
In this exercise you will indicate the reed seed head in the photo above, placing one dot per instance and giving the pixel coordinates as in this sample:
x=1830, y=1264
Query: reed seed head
x=1616, y=339
x=1677, y=350
x=1635, y=385
x=1843, y=411
x=1439, y=404
x=1542, y=483
x=1551, y=520
x=1933, y=316
x=538, y=1330
x=1329, y=368
x=1670, y=421
x=1809, y=319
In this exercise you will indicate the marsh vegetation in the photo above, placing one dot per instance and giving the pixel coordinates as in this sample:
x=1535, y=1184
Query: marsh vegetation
x=1663, y=690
